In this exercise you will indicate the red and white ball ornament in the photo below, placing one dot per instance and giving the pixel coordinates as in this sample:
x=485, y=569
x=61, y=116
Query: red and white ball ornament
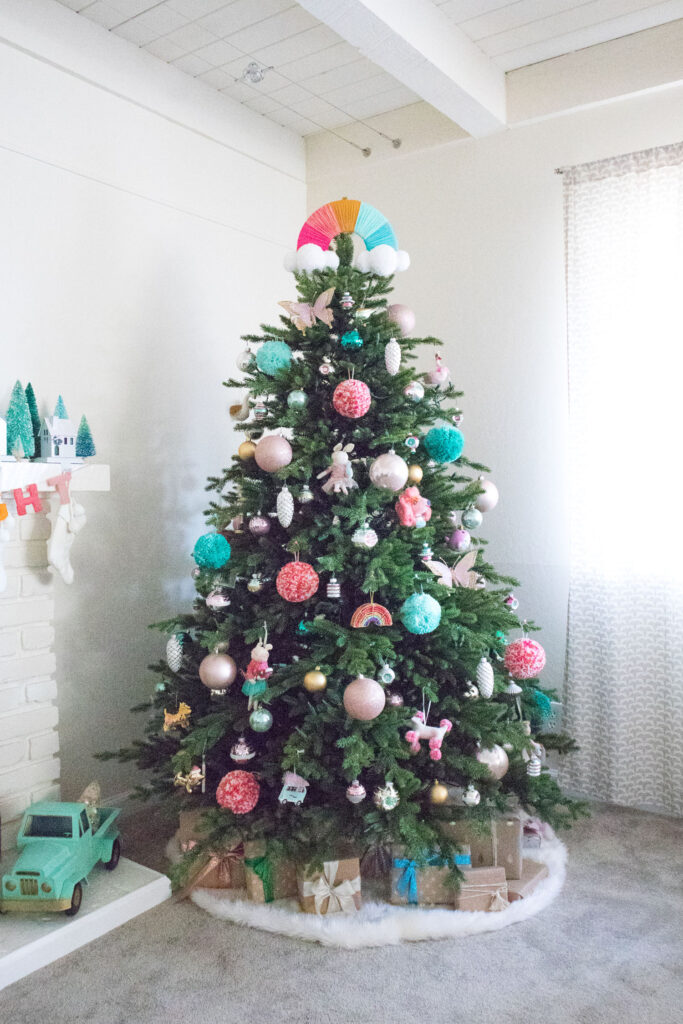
x=238, y=791
x=351, y=399
x=524, y=658
x=297, y=581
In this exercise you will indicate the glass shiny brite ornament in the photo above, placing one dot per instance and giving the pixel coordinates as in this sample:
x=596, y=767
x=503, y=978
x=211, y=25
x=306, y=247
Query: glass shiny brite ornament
x=471, y=693
x=326, y=368
x=389, y=472
x=255, y=584
x=495, y=759
x=385, y=797
x=364, y=699
x=259, y=526
x=457, y=417
x=351, y=340
x=386, y=675
x=485, y=678
x=471, y=796
x=315, y=681
x=238, y=792
x=355, y=793
x=297, y=400
x=175, y=646
x=306, y=495
x=415, y=474
x=420, y=613
x=460, y=540
x=260, y=411
x=426, y=554
x=218, y=598
x=403, y=317
x=444, y=444
x=412, y=442
x=524, y=658
x=241, y=752
x=211, y=551
x=217, y=671
x=245, y=360
x=297, y=581
x=511, y=602
x=438, y=793
x=333, y=589
x=394, y=699
x=246, y=450
x=346, y=302
x=364, y=537
x=352, y=399
x=261, y=720
x=440, y=375
x=273, y=357
x=488, y=499
x=472, y=519
x=284, y=506
x=392, y=357
x=272, y=453
x=415, y=391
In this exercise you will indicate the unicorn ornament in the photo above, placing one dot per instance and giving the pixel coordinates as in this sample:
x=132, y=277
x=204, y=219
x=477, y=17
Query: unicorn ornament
x=434, y=734
x=340, y=471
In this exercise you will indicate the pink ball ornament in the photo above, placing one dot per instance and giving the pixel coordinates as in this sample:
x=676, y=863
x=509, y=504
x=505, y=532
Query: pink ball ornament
x=459, y=540
x=217, y=671
x=389, y=472
x=351, y=398
x=238, y=791
x=297, y=581
x=259, y=525
x=524, y=658
x=403, y=317
x=489, y=499
x=273, y=453
x=364, y=699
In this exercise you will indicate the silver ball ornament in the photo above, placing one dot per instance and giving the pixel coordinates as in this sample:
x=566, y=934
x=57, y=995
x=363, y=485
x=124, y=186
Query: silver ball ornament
x=297, y=400
x=495, y=759
x=489, y=499
x=472, y=519
x=389, y=472
x=471, y=797
x=415, y=391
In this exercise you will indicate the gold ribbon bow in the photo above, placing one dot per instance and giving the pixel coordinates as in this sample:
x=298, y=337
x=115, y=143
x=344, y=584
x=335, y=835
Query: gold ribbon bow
x=205, y=866
x=340, y=896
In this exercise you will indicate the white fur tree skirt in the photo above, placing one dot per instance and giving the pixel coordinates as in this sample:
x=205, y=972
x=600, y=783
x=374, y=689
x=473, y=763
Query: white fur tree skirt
x=381, y=924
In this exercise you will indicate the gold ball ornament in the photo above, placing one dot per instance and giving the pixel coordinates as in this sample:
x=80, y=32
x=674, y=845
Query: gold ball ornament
x=315, y=681
x=415, y=474
x=438, y=794
x=246, y=450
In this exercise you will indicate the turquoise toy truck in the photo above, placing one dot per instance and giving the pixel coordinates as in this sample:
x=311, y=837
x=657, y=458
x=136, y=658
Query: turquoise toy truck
x=59, y=846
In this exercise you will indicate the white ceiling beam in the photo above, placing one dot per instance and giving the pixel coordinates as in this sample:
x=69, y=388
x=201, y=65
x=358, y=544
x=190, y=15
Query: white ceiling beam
x=414, y=41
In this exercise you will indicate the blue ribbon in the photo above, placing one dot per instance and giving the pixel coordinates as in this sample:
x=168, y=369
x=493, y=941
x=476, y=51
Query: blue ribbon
x=407, y=883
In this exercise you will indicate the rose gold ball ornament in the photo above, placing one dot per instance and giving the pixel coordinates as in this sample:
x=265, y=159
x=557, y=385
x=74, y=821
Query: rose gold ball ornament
x=415, y=474
x=438, y=794
x=489, y=499
x=389, y=472
x=315, y=681
x=272, y=453
x=217, y=671
x=495, y=759
x=259, y=526
x=364, y=699
x=246, y=450
x=355, y=793
x=403, y=317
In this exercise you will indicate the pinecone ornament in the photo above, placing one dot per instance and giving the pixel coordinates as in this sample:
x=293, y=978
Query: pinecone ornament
x=485, y=678
x=392, y=357
x=285, y=507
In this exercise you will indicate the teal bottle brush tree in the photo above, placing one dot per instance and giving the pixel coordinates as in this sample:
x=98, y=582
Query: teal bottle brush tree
x=348, y=629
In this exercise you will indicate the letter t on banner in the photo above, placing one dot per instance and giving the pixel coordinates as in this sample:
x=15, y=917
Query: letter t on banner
x=23, y=503
x=61, y=485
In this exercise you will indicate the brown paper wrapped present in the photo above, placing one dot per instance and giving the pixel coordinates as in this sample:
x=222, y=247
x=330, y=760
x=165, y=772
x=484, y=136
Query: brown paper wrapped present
x=334, y=890
x=422, y=885
x=218, y=869
x=266, y=878
x=482, y=889
x=501, y=847
x=532, y=873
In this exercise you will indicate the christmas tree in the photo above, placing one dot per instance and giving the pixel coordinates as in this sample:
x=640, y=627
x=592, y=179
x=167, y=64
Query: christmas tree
x=20, y=442
x=35, y=417
x=353, y=666
x=60, y=409
x=85, y=446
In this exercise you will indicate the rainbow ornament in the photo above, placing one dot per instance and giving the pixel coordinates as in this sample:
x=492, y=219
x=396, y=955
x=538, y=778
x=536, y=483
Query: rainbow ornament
x=347, y=216
x=371, y=615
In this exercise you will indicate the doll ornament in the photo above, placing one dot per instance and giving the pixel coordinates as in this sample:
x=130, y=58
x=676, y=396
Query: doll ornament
x=340, y=472
x=258, y=671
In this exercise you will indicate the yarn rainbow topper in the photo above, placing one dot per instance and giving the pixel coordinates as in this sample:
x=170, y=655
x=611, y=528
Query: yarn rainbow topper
x=347, y=216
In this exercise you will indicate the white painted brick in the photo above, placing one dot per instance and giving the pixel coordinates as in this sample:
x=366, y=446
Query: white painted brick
x=12, y=753
x=17, y=613
x=42, y=691
x=34, y=638
x=28, y=776
x=12, y=586
x=44, y=745
x=31, y=721
x=32, y=553
x=36, y=583
x=11, y=698
x=9, y=642
x=13, y=806
x=34, y=527
x=51, y=792
x=13, y=669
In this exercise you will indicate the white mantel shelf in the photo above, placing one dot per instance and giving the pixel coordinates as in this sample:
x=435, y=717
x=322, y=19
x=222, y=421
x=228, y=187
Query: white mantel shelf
x=86, y=476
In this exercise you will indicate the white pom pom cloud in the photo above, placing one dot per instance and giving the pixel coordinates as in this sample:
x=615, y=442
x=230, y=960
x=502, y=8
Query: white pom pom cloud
x=383, y=260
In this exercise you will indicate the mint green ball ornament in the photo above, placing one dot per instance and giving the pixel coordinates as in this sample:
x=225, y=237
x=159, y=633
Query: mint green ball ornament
x=273, y=356
x=352, y=340
x=420, y=613
x=297, y=400
x=261, y=720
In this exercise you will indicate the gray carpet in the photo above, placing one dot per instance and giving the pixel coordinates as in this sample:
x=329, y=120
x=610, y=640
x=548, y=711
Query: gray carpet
x=609, y=950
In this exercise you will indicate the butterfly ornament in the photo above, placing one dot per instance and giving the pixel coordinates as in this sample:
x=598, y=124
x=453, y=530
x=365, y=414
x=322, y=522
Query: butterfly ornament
x=462, y=574
x=304, y=315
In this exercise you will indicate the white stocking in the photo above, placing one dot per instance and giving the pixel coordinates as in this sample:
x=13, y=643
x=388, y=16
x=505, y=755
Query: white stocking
x=67, y=520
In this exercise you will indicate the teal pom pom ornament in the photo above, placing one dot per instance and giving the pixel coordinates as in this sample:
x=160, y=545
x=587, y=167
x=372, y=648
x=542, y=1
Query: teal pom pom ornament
x=273, y=356
x=444, y=444
x=211, y=551
x=542, y=710
x=420, y=613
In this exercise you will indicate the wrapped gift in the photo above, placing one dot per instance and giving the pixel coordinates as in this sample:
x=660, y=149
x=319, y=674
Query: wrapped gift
x=267, y=878
x=334, y=890
x=482, y=889
x=532, y=873
x=216, y=869
x=426, y=884
x=501, y=847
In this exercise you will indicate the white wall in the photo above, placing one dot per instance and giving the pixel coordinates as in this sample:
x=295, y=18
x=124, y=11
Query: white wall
x=144, y=219
x=482, y=220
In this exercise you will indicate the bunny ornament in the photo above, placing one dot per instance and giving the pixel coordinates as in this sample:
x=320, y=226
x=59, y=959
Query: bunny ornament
x=258, y=670
x=340, y=471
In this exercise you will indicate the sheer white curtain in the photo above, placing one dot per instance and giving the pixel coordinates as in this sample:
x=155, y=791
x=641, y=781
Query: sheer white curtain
x=624, y=683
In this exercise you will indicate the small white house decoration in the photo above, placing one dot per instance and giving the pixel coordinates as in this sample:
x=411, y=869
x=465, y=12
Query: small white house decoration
x=58, y=440
x=4, y=456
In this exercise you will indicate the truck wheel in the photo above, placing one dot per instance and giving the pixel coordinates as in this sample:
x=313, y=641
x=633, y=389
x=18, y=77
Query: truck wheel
x=76, y=900
x=115, y=854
